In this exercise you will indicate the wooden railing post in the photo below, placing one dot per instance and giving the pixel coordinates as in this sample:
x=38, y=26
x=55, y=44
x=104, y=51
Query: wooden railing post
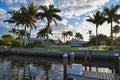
x=90, y=58
x=86, y=61
x=116, y=55
x=119, y=67
x=65, y=56
x=72, y=58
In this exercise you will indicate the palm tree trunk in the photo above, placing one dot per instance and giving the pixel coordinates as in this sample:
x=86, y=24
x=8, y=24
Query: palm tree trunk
x=64, y=39
x=69, y=38
x=97, y=37
x=111, y=36
x=25, y=37
x=48, y=25
x=115, y=35
x=30, y=35
x=19, y=36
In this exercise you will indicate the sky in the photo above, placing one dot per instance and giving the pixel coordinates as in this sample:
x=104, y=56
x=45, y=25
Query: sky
x=73, y=12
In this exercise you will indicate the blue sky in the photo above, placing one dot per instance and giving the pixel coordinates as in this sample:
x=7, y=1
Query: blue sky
x=73, y=13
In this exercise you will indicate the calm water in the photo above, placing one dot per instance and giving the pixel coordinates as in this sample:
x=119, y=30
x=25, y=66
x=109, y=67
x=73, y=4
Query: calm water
x=35, y=68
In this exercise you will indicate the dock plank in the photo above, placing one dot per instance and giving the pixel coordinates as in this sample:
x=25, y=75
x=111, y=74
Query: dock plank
x=100, y=75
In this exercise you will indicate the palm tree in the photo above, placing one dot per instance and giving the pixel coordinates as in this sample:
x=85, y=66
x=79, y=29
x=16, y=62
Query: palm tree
x=50, y=14
x=64, y=35
x=14, y=19
x=78, y=36
x=29, y=16
x=22, y=35
x=110, y=15
x=97, y=19
x=116, y=30
x=90, y=34
x=69, y=33
x=28, y=36
x=13, y=31
x=42, y=33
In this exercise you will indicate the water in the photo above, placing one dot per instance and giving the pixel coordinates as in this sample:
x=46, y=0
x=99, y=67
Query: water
x=35, y=68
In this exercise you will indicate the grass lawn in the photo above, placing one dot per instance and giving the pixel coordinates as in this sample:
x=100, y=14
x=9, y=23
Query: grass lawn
x=106, y=47
x=1, y=46
x=58, y=48
x=77, y=48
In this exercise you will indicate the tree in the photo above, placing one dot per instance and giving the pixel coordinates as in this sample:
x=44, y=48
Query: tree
x=117, y=41
x=110, y=15
x=50, y=13
x=15, y=19
x=69, y=33
x=21, y=35
x=116, y=30
x=97, y=19
x=101, y=38
x=90, y=34
x=29, y=17
x=64, y=35
x=78, y=36
x=42, y=33
x=7, y=38
x=13, y=31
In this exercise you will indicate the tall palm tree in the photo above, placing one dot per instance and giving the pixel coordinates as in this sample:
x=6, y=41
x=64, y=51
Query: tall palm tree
x=116, y=30
x=69, y=33
x=110, y=15
x=78, y=36
x=97, y=19
x=29, y=16
x=64, y=35
x=50, y=13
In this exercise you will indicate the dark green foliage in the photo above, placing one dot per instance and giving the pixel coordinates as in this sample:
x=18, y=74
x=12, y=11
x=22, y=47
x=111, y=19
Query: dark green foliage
x=78, y=36
x=15, y=43
x=101, y=37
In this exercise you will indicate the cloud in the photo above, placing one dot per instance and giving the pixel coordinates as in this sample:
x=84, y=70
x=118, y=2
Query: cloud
x=10, y=2
x=2, y=14
x=72, y=10
x=43, y=2
x=75, y=8
x=4, y=30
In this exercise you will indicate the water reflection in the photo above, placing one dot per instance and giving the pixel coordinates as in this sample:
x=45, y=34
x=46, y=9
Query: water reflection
x=19, y=70
x=36, y=68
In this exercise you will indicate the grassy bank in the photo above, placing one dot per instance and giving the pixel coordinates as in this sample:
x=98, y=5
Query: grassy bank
x=77, y=48
x=105, y=47
x=58, y=48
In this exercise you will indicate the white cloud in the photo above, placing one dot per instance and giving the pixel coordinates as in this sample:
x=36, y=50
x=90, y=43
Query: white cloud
x=2, y=15
x=75, y=8
x=43, y=2
x=4, y=30
x=70, y=9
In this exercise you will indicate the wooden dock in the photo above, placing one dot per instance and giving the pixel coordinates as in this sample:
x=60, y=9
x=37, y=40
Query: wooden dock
x=76, y=72
x=100, y=75
x=89, y=75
